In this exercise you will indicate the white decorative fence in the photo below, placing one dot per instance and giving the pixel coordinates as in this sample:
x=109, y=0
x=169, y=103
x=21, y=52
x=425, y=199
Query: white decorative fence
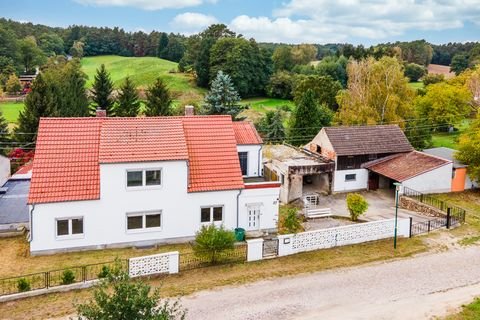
x=154, y=264
x=340, y=236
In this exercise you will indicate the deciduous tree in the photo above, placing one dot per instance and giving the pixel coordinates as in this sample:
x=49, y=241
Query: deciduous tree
x=377, y=93
x=282, y=58
x=414, y=71
x=325, y=89
x=13, y=85
x=469, y=151
x=30, y=54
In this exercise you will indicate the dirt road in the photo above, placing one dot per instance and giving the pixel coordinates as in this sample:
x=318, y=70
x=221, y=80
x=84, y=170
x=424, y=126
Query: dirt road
x=417, y=288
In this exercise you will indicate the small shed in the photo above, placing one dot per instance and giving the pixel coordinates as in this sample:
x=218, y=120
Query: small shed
x=460, y=179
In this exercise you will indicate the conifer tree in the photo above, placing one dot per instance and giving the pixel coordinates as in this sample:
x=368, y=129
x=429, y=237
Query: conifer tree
x=73, y=101
x=102, y=90
x=5, y=138
x=308, y=118
x=39, y=103
x=159, y=100
x=128, y=104
x=271, y=126
x=223, y=98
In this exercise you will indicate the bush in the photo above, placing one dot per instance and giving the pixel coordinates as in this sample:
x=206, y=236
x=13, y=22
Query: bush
x=357, y=205
x=414, y=71
x=433, y=78
x=13, y=84
x=290, y=221
x=104, y=272
x=68, y=277
x=211, y=242
x=23, y=285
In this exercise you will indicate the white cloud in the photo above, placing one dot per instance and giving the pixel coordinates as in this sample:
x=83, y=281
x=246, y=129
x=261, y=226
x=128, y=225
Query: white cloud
x=146, y=4
x=191, y=22
x=324, y=21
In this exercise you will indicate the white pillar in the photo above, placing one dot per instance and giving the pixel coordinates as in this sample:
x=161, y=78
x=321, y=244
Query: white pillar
x=173, y=262
x=254, y=249
x=285, y=245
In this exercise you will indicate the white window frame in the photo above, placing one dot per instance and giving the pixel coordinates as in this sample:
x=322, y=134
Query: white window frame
x=144, y=215
x=144, y=179
x=211, y=214
x=70, y=235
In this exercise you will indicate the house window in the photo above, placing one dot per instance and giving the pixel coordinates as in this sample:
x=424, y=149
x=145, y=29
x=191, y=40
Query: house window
x=350, y=177
x=243, y=157
x=319, y=149
x=69, y=227
x=142, y=178
x=144, y=220
x=211, y=214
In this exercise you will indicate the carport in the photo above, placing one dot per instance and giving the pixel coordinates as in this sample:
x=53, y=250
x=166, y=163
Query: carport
x=416, y=170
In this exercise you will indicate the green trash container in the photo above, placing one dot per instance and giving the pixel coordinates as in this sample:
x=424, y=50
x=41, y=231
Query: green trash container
x=239, y=234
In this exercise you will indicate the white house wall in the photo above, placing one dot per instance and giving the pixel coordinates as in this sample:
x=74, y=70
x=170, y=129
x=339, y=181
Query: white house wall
x=105, y=219
x=267, y=200
x=254, y=166
x=360, y=183
x=435, y=181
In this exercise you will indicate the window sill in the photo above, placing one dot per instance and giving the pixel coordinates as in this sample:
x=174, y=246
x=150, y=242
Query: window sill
x=144, y=188
x=144, y=230
x=70, y=237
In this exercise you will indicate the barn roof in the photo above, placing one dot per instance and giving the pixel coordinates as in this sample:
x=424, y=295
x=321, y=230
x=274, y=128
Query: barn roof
x=362, y=140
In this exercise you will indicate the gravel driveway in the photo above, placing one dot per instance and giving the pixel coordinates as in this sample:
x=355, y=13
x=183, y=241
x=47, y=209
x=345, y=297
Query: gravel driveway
x=416, y=288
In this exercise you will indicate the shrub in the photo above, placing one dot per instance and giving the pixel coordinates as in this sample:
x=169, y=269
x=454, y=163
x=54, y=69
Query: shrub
x=211, y=242
x=290, y=221
x=433, y=78
x=118, y=297
x=357, y=205
x=13, y=84
x=414, y=71
x=104, y=272
x=23, y=285
x=68, y=277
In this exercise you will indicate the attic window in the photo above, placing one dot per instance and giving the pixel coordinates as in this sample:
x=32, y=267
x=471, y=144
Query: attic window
x=319, y=149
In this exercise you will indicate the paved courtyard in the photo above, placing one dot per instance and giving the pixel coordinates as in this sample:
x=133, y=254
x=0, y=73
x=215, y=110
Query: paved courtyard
x=381, y=206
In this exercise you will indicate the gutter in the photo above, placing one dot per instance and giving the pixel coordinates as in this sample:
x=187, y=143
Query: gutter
x=259, y=152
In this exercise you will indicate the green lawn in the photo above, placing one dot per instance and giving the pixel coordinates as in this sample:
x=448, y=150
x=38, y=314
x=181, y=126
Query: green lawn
x=416, y=85
x=10, y=110
x=259, y=105
x=449, y=140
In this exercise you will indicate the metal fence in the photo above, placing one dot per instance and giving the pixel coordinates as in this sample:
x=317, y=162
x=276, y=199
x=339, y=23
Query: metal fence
x=55, y=278
x=457, y=214
x=192, y=260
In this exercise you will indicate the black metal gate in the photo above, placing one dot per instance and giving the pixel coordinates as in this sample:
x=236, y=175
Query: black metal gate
x=427, y=226
x=270, y=248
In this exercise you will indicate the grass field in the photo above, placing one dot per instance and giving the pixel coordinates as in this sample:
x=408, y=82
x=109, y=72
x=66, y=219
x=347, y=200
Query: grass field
x=449, y=140
x=10, y=111
x=258, y=106
x=416, y=85
x=144, y=71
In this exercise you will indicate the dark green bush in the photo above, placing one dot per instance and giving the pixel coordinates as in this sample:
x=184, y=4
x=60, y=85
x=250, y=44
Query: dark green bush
x=23, y=285
x=104, y=272
x=68, y=277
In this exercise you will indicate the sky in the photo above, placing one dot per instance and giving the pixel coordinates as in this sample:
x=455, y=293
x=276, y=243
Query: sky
x=364, y=22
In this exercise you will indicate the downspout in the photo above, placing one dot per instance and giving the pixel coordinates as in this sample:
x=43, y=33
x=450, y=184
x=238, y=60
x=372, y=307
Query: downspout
x=238, y=205
x=31, y=223
x=259, y=153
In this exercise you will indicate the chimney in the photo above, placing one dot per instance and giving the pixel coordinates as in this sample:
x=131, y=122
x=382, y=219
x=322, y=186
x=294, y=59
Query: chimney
x=189, y=111
x=101, y=113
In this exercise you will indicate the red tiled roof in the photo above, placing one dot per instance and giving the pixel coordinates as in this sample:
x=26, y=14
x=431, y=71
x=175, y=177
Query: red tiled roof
x=69, y=152
x=65, y=166
x=245, y=133
x=142, y=139
x=212, y=150
x=404, y=166
x=26, y=168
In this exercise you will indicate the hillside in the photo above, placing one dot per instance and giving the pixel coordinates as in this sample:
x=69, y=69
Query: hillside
x=144, y=71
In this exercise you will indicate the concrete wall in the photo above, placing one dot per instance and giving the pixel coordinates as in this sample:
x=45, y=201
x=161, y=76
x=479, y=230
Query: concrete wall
x=340, y=185
x=105, y=219
x=435, y=181
x=254, y=167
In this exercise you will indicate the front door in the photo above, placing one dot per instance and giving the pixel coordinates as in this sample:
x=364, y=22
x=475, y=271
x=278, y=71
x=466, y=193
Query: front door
x=253, y=218
x=373, y=180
